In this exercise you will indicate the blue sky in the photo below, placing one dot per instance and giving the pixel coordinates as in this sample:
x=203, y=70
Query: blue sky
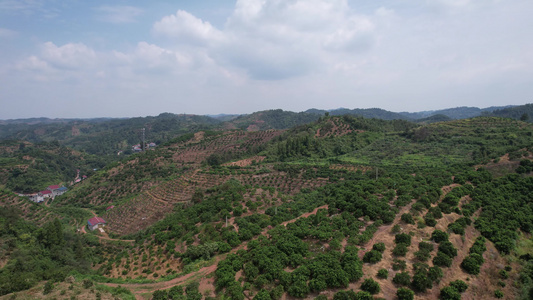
x=136, y=58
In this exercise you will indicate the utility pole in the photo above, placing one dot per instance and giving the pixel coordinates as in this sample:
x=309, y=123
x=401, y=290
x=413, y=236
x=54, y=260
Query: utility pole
x=143, y=146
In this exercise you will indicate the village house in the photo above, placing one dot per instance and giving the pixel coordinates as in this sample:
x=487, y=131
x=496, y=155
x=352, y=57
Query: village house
x=56, y=190
x=37, y=198
x=95, y=223
x=53, y=189
x=46, y=194
x=61, y=190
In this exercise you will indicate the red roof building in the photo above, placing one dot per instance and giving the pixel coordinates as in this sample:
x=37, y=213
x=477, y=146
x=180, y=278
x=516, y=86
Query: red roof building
x=46, y=193
x=95, y=222
x=53, y=187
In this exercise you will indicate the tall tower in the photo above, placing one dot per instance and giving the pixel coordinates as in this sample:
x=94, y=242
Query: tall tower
x=143, y=145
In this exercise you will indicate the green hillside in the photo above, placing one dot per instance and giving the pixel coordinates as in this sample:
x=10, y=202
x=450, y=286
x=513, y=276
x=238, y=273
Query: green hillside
x=336, y=207
x=29, y=168
x=107, y=136
x=522, y=112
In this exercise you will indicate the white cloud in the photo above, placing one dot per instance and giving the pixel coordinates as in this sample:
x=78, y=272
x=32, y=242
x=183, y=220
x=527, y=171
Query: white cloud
x=33, y=63
x=118, y=14
x=152, y=58
x=296, y=54
x=274, y=39
x=186, y=28
x=68, y=56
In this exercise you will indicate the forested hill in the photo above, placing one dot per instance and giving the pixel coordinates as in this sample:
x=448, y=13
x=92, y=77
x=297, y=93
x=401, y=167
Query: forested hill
x=29, y=168
x=377, y=113
x=422, y=116
x=522, y=112
x=107, y=137
x=463, y=112
x=270, y=119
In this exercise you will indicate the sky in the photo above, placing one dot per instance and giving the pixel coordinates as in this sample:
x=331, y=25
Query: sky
x=84, y=59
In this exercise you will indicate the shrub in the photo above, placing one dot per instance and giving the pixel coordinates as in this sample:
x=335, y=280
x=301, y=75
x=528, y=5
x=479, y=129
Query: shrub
x=498, y=294
x=371, y=286
x=395, y=229
x=379, y=247
x=405, y=294
x=435, y=274
x=398, y=264
x=429, y=220
x=402, y=278
x=422, y=255
x=87, y=283
x=459, y=285
x=449, y=293
x=471, y=265
x=447, y=248
x=403, y=238
x=439, y=236
x=442, y=260
x=503, y=274
x=48, y=287
x=383, y=274
x=408, y=218
x=372, y=257
x=400, y=249
x=363, y=295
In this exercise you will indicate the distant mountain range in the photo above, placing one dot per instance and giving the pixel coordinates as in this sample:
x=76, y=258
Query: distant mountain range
x=456, y=113
x=463, y=112
x=106, y=136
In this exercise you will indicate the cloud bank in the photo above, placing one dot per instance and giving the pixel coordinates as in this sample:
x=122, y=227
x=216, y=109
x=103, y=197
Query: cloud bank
x=294, y=55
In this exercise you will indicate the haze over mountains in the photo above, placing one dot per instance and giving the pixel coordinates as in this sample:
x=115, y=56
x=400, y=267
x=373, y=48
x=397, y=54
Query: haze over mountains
x=452, y=113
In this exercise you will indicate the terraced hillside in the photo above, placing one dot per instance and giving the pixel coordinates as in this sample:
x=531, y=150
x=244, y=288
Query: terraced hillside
x=170, y=177
x=30, y=211
x=341, y=208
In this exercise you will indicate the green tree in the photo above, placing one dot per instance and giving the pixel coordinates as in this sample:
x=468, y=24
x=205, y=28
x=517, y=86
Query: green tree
x=405, y=294
x=402, y=278
x=160, y=295
x=403, y=238
x=48, y=287
x=382, y=274
x=459, y=285
x=372, y=257
x=439, y=236
x=449, y=293
x=370, y=286
x=262, y=295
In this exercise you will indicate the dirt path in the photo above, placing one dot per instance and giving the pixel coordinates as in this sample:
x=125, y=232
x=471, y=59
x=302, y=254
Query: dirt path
x=305, y=215
x=145, y=288
x=164, y=201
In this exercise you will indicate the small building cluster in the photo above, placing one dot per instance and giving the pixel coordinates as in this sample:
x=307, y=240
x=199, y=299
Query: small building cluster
x=50, y=192
x=137, y=148
x=78, y=178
